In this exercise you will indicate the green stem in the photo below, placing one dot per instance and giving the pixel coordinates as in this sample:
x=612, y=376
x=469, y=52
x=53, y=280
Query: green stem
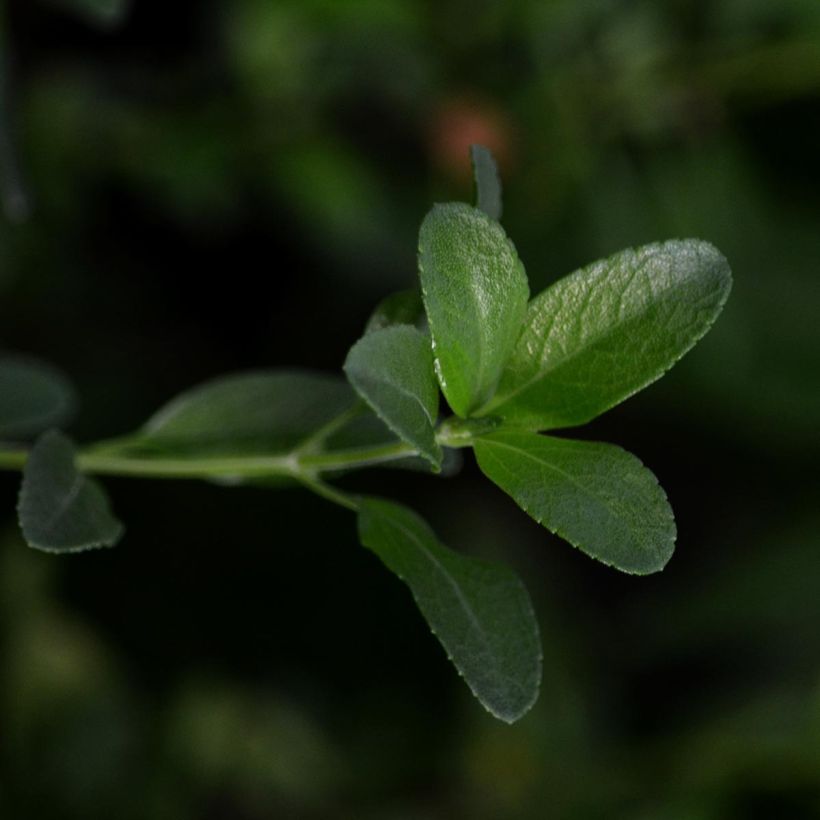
x=302, y=464
x=329, y=492
x=292, y=464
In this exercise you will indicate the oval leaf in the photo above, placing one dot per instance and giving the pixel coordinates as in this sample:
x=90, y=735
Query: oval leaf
x=475, y=293
x=60, y=509
x=597, y=496
x=33, y=397
x=392, y=370
x=261, y=413
x=487, y=182
x=603, y=333
x=480, y=611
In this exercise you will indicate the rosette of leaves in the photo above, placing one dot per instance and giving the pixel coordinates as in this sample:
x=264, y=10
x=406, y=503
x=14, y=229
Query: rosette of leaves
x=512, y=369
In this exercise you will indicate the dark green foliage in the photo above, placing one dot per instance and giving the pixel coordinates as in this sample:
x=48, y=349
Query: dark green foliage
x=508, y=371
x=479, y=611
x=597, y=496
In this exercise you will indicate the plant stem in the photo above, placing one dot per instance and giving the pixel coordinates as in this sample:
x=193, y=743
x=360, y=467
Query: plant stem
x=302, y=464
x=328, y=491
x=291, y=464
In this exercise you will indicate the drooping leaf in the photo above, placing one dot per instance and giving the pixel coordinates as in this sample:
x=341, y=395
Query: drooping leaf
x=475, y=293
x=480, y=611
x=392, y=370
x=60, y=509
x=401, y=308
x=597, y=496
x=608, y=330
x=261, y=413
x=33, y=397
x=487, y=181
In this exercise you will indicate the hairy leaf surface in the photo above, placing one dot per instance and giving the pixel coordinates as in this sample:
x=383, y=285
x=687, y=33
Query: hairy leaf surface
x=601, y=334
x=480, y=611
x=597, y=496
x=475, y=293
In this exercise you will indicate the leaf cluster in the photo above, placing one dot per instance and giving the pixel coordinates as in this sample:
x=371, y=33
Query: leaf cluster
x=513, y=370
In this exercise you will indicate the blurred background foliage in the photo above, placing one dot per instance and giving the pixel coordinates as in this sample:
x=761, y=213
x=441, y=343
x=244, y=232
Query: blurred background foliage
x=197, y=187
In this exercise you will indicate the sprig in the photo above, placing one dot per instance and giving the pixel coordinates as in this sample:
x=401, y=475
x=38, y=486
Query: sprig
x=510, y=369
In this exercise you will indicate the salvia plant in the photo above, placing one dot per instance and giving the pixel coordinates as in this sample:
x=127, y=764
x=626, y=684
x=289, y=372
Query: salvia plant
x=510, y=368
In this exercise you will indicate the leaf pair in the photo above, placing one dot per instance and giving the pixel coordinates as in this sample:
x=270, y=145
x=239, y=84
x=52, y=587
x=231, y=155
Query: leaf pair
x=589, y=341
x=59, y=509
x=475, y=296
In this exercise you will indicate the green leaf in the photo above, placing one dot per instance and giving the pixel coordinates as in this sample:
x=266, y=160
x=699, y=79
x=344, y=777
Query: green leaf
x=60, y=509
x=259, y=413
x=480, y=611
x=598, y=497
x=475, y=293
x=608, y=330
x=402, y=308
x=33, y=397
x=487, y=181
x=392, y=370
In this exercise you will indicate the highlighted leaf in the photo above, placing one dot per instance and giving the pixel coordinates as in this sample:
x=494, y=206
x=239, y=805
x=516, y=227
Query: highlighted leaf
x=475, y=293
x=607, y=331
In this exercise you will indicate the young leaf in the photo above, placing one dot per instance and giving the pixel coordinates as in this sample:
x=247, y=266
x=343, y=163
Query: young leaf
x=261, y=413
x=392, y=370
x=487, y=181
x=475, y=293
x=33, y=397
x=608, y=330
x=60, y=509
x=401, y=308
x=596, y=496
x=480, y=611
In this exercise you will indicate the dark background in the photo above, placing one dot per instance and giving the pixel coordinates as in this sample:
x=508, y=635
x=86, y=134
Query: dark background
x=231, y=184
